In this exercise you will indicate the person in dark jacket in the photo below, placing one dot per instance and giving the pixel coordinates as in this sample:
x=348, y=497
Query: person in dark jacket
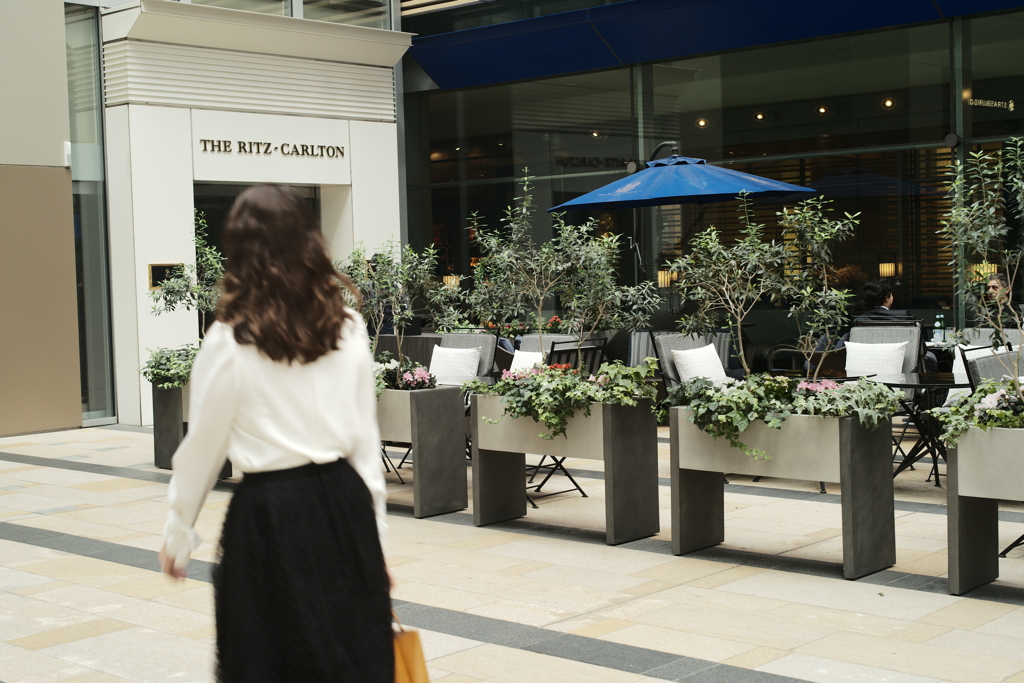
x=878, y=296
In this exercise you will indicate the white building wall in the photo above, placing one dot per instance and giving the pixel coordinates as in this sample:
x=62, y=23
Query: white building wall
x=164, y=100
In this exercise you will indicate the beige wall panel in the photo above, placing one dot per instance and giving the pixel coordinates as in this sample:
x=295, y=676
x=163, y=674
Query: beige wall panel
x=33, y=83
x=40, y=382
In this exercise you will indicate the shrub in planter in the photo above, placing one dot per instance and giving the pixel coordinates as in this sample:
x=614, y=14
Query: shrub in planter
x=726, y=411
x=169, y=368
x=552, y=395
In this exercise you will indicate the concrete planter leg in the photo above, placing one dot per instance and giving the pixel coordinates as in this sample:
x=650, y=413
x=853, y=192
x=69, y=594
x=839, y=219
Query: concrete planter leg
x=630, y=511
x=973, y=532
x=501, y=475
x=439, y=452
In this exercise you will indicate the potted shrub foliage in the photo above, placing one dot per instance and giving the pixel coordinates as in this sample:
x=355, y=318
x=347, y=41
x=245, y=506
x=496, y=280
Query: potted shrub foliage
x=984, y=457
x=607, y=416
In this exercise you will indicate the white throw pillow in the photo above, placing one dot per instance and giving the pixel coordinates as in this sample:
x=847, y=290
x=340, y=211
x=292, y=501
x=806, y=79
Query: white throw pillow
x=702, y=362
x=452, y=367
x=875, y=359
x=524, y=360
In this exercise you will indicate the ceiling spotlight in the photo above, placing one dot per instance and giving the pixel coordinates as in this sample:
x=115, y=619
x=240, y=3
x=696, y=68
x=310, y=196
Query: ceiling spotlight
x=457, y=149
x=702, y=123
x=595, y=134
x=759, y=116
x=889, y=103
x=822, y=110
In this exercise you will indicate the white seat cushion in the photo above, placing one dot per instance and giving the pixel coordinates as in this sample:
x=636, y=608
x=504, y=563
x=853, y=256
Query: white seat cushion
x=524, y=360
x=702, y=362
x=875, y=359
x=452, y=367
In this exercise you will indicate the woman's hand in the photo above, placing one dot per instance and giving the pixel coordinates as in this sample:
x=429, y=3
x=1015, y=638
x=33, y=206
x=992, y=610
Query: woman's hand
x=167, y=565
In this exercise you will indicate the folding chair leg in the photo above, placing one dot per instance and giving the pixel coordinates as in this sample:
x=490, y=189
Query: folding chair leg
x=407, y=452
x=536, y=469
x=757, y=479
x=558, y=466
x=1018, y=542
x=384, y=457
x=530, y=501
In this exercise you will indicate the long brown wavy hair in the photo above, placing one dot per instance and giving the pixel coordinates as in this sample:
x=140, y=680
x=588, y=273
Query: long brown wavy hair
x=280, y=291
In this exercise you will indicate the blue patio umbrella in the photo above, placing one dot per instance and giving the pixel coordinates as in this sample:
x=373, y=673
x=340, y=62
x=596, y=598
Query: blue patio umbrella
x=678, y=180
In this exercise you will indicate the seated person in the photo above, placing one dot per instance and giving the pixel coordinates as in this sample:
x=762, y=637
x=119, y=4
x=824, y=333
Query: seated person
x=878, y=296
x=1000, y=301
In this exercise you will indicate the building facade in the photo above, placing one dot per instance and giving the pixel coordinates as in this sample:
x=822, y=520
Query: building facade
x=869, y=103
x=133, y=115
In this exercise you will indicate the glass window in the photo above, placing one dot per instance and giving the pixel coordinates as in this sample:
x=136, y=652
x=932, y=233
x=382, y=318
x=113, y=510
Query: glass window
x=215, y=201
x=866, y=90
x=89, y=202
x=371, y=13
x=997, y=69
x=281, y=7
x=425, y=20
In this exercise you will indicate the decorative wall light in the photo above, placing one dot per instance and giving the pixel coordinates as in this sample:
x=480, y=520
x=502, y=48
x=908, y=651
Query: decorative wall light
x=983, y=270
x=666, y=278
x=889, y=103
x=451, y=281
x=890, y=269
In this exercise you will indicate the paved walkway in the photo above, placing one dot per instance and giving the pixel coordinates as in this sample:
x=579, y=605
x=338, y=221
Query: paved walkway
x=540, y=599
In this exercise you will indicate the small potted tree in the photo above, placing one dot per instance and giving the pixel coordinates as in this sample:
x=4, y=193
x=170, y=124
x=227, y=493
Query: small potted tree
x=191, y=287
x=984, y=458
x=776, y=426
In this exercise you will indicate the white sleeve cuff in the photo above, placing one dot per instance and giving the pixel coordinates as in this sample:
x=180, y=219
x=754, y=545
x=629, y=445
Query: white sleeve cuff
x=179, y=540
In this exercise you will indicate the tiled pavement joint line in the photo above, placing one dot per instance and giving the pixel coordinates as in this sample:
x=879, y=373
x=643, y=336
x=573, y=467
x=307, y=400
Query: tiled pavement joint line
x=106, y=470
x=652, y=663
x=783, y=563
x=164, y=478
x=1005, y=594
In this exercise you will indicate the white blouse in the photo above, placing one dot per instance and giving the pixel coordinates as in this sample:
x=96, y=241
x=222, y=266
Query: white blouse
x=266, y=415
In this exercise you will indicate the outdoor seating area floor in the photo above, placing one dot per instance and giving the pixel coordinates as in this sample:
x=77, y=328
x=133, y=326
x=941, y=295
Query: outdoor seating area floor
x=536, y=599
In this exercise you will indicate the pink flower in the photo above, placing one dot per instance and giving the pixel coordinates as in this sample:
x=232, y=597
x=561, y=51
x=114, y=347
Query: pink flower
x=407, y=377
x=991, y=402
x=823, y=385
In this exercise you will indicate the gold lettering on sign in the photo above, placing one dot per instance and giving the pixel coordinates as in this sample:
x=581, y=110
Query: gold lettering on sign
x=265, y=148
x=1008, y=105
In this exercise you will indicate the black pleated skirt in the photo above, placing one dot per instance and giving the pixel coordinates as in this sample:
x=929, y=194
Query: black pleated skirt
x=301, y=590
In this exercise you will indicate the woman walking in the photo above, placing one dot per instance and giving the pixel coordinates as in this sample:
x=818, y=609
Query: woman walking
x=283, y=385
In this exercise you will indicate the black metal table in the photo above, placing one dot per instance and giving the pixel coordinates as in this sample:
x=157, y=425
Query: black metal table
x=926, y=387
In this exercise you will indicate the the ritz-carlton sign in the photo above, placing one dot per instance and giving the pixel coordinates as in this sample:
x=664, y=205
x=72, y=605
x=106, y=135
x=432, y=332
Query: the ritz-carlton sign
x=285, y=148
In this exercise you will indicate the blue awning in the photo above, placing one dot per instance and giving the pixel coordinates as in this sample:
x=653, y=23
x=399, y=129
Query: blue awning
x=638, y=31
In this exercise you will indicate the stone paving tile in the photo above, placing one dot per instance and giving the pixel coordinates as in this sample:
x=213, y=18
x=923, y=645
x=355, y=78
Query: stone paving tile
x=538, y=599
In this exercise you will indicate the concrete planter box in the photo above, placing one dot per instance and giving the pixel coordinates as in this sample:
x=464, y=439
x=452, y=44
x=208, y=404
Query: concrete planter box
x=434, y=422
x=984, y=468
x=170, y=425
x=624, y=438
x=808, y=448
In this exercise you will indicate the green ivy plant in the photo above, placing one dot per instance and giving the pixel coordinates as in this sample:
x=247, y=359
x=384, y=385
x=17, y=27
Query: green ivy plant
x=727, y=410
x=992, y=405
x=552, y=395
x=169, y=368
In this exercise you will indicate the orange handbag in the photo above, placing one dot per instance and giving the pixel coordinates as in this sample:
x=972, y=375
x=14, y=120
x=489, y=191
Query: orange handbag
x=410, y=666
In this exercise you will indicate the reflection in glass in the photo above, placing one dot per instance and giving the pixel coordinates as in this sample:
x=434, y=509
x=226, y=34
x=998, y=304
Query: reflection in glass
x=89, y=194
x=371, y=13
x=280, y=7
x=997, y=67
x=215, y=201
